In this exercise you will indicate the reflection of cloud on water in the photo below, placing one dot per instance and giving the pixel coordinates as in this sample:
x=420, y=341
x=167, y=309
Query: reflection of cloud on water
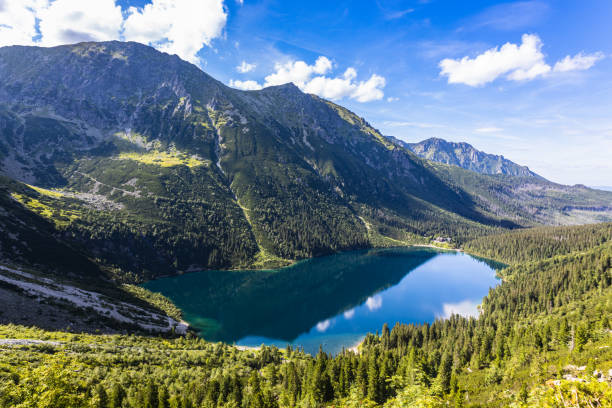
x=465, y=308
x=348, y=315
x=374, y=303
x=322, y=326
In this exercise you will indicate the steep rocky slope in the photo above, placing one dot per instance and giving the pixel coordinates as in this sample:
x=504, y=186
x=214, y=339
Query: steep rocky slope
x=466, y=156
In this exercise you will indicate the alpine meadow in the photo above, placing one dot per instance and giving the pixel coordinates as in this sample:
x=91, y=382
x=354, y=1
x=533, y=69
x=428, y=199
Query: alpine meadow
x=307, y=235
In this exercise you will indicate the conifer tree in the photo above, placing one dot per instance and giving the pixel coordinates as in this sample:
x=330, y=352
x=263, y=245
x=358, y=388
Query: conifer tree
x=443, y=379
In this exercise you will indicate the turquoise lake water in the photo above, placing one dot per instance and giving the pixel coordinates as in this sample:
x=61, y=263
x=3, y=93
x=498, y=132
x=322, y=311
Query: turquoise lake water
x=333, y=301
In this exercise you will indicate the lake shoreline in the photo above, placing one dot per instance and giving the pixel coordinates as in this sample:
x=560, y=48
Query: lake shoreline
x=192, y=269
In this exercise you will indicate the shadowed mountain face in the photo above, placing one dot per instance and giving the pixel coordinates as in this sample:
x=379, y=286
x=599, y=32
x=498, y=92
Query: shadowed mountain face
x=466, y=156
x=155, y=167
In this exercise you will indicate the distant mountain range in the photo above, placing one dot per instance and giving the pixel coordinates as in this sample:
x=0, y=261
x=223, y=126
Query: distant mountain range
x=466, y=156
x=116, y=155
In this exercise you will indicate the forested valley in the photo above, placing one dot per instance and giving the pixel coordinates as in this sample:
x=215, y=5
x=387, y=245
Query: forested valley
x=542, y=339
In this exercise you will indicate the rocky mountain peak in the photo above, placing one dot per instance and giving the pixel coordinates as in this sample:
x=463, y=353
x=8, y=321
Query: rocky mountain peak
x=464, y=155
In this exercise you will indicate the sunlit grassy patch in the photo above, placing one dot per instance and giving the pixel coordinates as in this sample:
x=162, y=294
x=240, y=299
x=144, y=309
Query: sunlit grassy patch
x=59, y=216
x=45, y=192
x=163, y=159
x=266, y=260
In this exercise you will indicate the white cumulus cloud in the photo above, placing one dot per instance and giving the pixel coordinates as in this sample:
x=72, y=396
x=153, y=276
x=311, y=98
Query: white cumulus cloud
x=495, y=62
x=323, y=326
x=18, y=21
x=374, y=303
x=314, y=79
x=370, y=90
x=540, y=68
x=297, y=72
x=177, y=27
x=245, y=67
x=522, y=62
x=245, y=85
x=60, y=21
x=349, y=314
x=466, y=308
x=71, y=21
x=578, y=62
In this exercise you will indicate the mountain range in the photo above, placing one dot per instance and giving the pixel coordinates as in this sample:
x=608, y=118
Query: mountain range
x=464, y=155
x=131, y=163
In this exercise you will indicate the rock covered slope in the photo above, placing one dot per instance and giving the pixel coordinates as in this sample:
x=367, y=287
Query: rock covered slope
x=35, y=300
x=146, y=164
x=466, y=156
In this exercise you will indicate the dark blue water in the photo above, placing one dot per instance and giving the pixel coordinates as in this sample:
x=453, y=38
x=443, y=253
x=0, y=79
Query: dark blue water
x=331, y=301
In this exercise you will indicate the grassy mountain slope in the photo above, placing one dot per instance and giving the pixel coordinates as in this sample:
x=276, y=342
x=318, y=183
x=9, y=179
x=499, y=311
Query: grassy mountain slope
x=531, y=201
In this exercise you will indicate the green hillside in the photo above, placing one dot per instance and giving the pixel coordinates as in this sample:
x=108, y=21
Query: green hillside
x=530, y=200
x=538, y=243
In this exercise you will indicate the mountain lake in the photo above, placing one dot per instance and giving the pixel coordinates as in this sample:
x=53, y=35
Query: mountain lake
x=332, y=301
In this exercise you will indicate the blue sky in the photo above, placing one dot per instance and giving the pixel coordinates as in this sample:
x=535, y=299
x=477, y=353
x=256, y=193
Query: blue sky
x=413, y=69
